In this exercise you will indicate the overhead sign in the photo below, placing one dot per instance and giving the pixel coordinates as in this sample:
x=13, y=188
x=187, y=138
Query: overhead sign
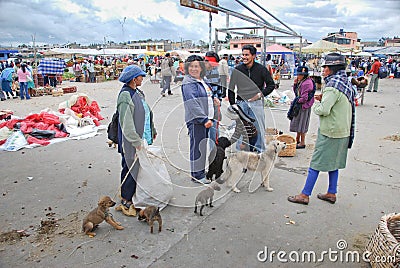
x=190, y=3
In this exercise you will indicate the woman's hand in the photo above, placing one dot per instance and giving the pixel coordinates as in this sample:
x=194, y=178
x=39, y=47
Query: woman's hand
x=216, y=101
x=318, y=97
x=208, y=124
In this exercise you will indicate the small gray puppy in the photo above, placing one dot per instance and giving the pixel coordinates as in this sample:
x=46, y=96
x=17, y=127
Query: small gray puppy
x=205, y=195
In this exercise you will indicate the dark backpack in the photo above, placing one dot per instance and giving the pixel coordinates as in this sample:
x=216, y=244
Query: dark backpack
x=382, y=72
x=112, y=129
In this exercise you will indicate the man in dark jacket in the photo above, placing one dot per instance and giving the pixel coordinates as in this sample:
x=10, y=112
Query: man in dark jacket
x=253, y=82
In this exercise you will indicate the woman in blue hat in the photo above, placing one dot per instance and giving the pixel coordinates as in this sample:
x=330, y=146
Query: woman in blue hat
x=135, y=124
x=304, y=89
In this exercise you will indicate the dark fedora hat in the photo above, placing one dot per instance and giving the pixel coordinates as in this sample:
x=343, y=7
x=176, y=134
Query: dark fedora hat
x=302, y=70
x=334, y=59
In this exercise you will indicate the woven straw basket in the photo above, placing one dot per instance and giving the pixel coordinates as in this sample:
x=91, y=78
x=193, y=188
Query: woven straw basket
x=385, y=243
x=290, y=149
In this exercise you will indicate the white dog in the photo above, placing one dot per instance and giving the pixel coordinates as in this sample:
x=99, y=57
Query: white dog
x=263, y=163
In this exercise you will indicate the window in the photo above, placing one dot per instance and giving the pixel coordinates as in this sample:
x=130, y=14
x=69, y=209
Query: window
x=258, y=45
x=235, y=46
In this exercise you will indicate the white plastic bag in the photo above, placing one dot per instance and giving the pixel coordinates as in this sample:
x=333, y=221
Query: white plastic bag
x=153, y=186
x=15, y=142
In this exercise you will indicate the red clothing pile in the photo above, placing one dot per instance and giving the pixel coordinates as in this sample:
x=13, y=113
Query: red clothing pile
x=86, y=110
x=43, y=124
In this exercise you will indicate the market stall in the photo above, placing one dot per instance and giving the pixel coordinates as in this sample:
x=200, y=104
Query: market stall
x=50, y=71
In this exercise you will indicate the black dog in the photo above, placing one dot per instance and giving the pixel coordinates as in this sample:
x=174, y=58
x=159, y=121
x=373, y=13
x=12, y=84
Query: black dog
x=217, y=161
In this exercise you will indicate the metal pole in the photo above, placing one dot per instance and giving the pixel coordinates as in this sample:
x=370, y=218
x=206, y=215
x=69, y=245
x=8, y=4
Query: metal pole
x=293, y=32
x=209, y=32
x=216, y=41
x=35, y=78
x=265, y=47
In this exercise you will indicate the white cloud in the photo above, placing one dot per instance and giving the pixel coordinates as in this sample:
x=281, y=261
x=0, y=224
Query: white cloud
x=90, y=21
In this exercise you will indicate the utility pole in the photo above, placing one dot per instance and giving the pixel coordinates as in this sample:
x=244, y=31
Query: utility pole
x=35, y=78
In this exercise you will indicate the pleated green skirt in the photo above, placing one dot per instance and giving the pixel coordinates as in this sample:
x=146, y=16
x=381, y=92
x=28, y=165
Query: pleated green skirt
x=329, y=153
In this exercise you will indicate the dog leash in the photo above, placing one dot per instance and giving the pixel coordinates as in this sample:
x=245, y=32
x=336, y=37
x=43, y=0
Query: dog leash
x=126, y=176
x=176, y=167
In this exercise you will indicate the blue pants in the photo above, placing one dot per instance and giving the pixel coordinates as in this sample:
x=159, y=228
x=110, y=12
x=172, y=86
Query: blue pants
x=23, y=90
x=255, y=109
x=198, y=135
x=312, y=179
x=167, y=84
x=128, y=188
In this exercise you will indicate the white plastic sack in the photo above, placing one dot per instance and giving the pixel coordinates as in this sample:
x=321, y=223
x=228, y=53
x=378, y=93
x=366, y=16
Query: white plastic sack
x=154, y=186
x=15, y=142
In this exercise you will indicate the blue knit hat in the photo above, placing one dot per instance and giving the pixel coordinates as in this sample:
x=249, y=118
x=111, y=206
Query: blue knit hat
x=130, y=72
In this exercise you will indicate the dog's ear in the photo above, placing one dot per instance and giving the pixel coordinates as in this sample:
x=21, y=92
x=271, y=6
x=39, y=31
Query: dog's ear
x=102, y=202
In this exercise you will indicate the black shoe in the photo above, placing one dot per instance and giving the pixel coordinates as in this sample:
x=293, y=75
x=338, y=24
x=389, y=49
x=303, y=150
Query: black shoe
x=170, y=93
x=375, y=91
x=368, y=90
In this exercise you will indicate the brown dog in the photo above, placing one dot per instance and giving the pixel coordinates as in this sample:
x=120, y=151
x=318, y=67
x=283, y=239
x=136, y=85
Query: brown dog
x=151, y=214
x=98, y=215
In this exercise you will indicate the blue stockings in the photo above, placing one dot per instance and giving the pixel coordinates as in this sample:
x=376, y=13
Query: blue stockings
x=312, y=179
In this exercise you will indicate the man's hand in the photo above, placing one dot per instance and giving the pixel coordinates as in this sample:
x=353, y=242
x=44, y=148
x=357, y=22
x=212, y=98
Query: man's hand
x=208, y=124
x=256, y=97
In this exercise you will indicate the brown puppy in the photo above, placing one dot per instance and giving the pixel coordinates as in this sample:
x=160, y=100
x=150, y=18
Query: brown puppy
x=98, y=215
x=151, y=214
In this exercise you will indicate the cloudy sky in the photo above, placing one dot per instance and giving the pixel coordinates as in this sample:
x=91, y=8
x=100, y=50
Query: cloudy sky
x=93, y=21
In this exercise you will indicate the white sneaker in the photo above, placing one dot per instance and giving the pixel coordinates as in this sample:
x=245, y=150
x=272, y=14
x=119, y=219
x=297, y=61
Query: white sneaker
x=203, y=181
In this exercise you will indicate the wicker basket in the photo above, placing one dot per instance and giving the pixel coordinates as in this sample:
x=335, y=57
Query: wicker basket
x=290, y=149
x=385, y=243
x=71, y=89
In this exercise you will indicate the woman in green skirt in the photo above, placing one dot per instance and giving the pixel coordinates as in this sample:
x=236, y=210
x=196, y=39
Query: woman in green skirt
x=336, y=110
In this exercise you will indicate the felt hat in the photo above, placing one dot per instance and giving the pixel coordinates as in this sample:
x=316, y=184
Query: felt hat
x=130, y=72
x=302, y=70
x=334, y=59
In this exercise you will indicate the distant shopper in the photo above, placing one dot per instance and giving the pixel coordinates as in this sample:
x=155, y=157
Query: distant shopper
x=223, y=69
x=23, y=77
x=167, y=71
x=212, y=74
x=77, y=71
x=336, y=110
x=6, y=82
x=304, y=89
x=92, y=72
x=375, y=78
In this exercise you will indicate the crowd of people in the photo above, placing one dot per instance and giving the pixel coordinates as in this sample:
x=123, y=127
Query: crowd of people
x=209, y=80
x=16, y=80
x=249, y=84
